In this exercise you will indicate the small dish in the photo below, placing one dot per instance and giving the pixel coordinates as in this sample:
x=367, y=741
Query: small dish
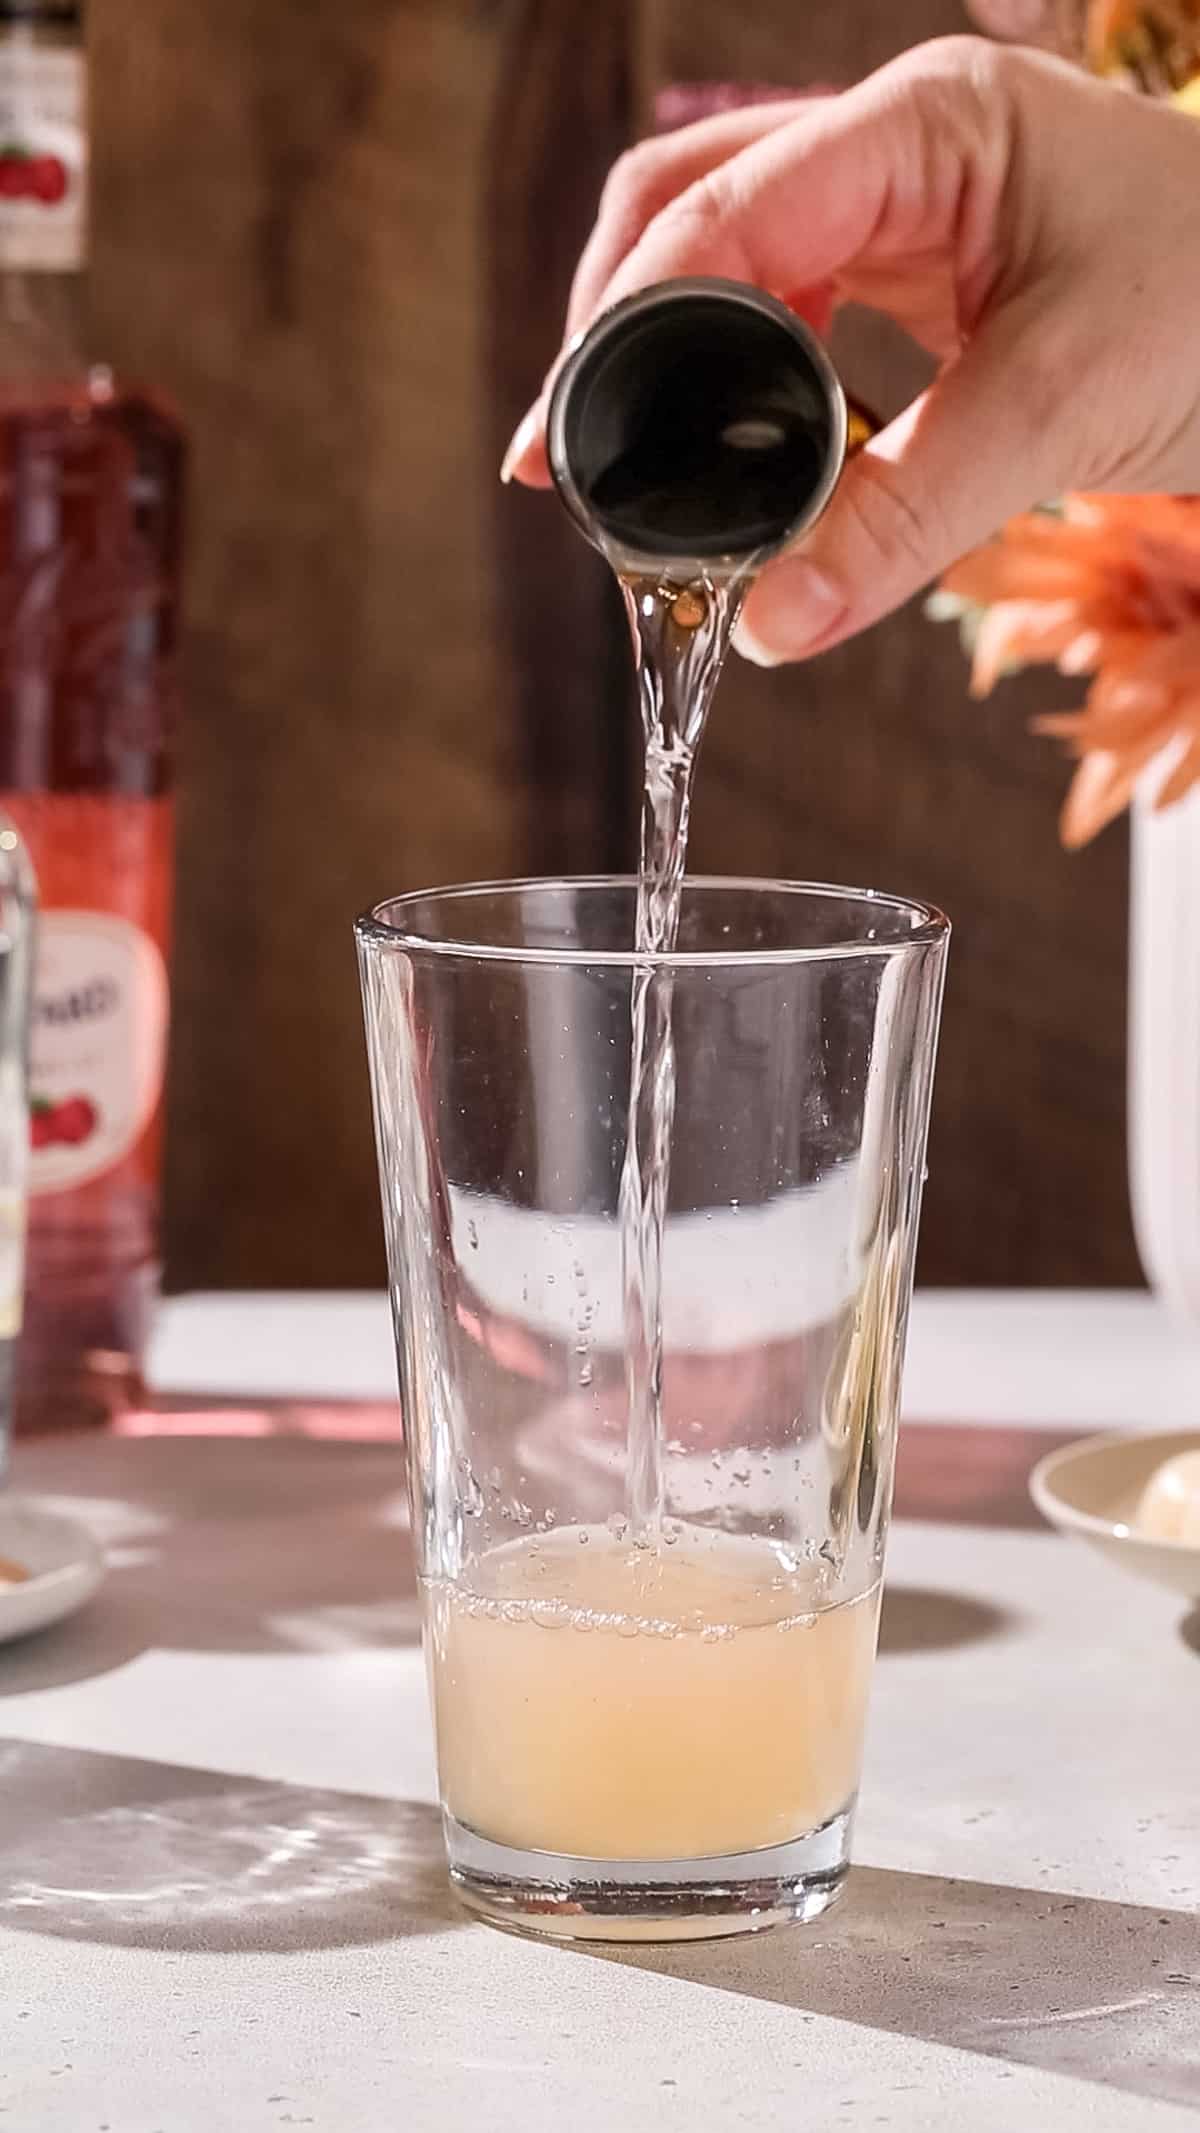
x=64, y=1565
x=1092, y=1488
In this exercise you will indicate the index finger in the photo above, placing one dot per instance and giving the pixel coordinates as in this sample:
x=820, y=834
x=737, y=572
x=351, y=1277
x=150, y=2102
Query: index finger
x=646, y=180
x=639, y=187
x=888, y=170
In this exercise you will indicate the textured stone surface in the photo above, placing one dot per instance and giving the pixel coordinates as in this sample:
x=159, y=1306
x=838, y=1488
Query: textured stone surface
x=221, y=1895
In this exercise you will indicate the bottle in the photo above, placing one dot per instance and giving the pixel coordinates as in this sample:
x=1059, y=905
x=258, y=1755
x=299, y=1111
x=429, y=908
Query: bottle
x=17, y=903
x=90, y=492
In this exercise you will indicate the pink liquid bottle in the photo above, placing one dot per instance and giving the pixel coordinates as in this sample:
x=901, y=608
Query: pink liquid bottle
x=90, y=491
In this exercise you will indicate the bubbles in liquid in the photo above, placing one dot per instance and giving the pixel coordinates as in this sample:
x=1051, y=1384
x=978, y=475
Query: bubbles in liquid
x=618, y=1526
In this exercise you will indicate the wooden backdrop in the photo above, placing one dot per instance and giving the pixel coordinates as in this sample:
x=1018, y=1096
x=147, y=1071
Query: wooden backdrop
x=340, y=238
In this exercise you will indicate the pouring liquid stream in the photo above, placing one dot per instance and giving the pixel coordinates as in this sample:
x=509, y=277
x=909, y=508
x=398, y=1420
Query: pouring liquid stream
x=693, y=430
x=681, y=633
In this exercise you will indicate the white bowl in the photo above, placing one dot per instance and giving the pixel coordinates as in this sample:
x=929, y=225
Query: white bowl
x=64, y=1562
x=1092, y=1489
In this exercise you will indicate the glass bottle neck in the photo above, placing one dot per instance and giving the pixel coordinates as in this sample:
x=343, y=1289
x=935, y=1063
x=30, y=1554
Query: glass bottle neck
x=43, y=330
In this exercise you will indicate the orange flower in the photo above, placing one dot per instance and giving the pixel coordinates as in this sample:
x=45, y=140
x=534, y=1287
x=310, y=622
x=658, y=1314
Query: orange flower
x=1107, y=586
x=1154, y=44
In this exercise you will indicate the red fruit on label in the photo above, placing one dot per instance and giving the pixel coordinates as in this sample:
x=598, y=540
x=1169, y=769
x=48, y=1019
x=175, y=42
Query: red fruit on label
x=48, y=179
x=42, y=1129
x=75, y=1120
x=12, y=176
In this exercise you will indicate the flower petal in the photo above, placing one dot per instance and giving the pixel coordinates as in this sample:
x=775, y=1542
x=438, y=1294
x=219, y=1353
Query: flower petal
x=1100, y=790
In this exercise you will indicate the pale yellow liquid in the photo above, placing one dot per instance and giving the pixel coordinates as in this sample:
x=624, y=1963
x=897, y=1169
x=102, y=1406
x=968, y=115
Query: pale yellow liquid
x=673, y=1702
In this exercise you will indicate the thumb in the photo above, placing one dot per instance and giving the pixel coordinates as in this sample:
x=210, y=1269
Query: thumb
x=987, y=440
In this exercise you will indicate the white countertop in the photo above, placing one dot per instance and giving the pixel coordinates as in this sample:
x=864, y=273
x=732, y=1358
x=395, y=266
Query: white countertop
x=1090, y=1358
x=221, y=1899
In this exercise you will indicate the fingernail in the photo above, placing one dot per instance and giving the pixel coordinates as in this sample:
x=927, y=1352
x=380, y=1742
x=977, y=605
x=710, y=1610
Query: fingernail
x=522, y=438
x=750, y=647
x=793, y=607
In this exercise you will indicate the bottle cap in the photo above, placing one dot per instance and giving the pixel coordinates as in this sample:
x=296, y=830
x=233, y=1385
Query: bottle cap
x=698, y=422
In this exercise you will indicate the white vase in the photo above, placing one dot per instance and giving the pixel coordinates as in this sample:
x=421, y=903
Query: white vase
x=1164, y=1044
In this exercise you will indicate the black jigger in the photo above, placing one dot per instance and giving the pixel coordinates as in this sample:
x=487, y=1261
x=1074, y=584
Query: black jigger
x=696, y=429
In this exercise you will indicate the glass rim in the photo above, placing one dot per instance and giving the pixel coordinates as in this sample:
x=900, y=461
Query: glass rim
x=930, y=926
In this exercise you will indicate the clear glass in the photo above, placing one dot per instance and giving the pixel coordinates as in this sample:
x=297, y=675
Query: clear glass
x=650, y=1733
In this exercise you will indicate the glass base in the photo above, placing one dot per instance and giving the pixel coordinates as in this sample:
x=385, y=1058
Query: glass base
x=551, y=1893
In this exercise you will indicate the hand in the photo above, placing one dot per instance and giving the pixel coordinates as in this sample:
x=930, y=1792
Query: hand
x=1036, y=230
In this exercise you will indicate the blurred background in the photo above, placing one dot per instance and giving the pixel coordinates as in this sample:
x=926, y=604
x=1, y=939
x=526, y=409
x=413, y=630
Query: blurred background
x=340, y=240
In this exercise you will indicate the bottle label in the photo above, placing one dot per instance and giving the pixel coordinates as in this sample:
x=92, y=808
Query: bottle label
x=43, y=158
x=97, y=1045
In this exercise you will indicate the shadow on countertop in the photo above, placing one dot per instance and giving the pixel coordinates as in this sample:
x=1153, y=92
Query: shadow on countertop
x=129, y=1853
x=219, y=1544
x=916, y=1618
x=1105, y=1992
